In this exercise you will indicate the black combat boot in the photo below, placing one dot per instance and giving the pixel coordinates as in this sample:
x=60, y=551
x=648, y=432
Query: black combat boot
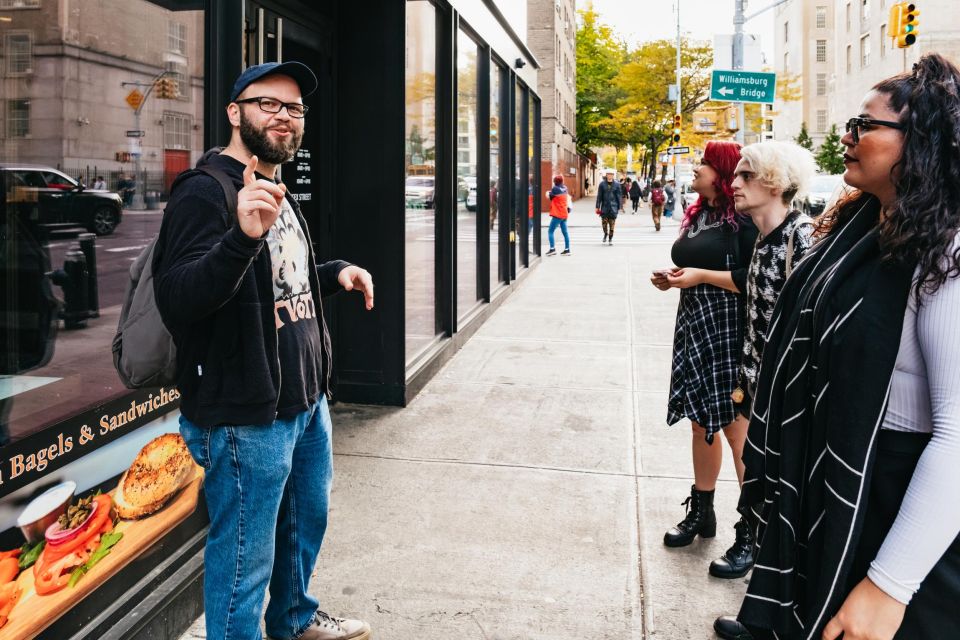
x=728, y=628
x=738, y=559
x=700, y=520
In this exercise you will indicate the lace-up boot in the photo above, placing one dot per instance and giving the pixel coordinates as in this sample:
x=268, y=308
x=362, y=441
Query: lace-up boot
x=700, y=520
x=738, y=559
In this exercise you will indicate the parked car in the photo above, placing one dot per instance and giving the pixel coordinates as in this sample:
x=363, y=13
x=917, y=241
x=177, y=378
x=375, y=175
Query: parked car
x=824, y=189
x=61, y=201
x=687, y=196
x=419, y=192
x=470, y=195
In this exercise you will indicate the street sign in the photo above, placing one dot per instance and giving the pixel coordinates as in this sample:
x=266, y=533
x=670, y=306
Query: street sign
x=678, y=151
x=743, y=86
x=134, y=99
x=135, y=134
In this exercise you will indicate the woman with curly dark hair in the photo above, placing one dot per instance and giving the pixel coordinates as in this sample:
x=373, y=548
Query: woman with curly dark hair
x=853, y=451
x=712, y=255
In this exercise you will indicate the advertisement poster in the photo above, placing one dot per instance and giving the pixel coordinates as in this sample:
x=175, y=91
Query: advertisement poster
x=82, y=500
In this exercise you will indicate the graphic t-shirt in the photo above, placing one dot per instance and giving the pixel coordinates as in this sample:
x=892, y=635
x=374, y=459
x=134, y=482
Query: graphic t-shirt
x=298, y=332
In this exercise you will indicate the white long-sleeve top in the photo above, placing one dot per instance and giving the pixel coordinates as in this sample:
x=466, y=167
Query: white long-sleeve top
x=925, y=398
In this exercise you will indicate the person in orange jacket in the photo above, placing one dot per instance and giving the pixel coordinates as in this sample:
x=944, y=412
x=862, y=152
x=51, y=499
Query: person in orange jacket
x=559, y=210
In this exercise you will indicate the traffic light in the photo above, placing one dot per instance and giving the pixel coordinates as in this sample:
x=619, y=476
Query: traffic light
x=903, y=24
x=166, y=88
x=676, y=129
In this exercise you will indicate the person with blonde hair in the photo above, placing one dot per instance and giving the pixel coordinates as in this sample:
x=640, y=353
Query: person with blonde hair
x=765, y=182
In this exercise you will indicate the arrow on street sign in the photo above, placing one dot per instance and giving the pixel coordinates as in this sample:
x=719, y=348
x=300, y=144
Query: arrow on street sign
x=134, y=133
x=678, y=151
x=743, y=86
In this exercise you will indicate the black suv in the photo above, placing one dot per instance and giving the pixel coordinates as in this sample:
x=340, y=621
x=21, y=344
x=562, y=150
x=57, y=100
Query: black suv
x=60, y=200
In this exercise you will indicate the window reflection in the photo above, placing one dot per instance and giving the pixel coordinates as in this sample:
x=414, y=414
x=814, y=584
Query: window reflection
x=533, y=178
x=495, y=195
x=520, y=206
x=468, y=291
x=421, y=144
x=69, y=145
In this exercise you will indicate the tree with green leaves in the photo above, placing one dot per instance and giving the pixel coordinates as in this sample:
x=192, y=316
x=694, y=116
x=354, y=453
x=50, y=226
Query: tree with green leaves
x=803, y=138
x=599, y=58
x=830, y=155
x=643, y=114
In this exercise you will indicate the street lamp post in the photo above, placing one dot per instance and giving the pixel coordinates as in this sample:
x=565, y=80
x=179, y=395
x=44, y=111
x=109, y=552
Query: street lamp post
x=138, y=203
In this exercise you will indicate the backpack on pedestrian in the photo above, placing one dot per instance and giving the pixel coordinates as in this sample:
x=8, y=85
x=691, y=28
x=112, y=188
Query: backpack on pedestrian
x=656, y=196
x=144, y=353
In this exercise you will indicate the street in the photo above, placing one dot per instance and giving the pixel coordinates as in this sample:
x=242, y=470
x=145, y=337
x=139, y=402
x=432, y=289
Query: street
x=524, y=493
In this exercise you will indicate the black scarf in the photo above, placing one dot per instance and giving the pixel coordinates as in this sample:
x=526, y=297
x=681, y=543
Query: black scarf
x=821, y=395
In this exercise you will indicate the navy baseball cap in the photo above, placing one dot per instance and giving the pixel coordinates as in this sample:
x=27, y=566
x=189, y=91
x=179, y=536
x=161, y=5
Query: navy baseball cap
x=300, y=72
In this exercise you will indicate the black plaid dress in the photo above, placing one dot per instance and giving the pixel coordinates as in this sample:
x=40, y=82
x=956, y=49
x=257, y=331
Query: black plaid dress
x=710, y=324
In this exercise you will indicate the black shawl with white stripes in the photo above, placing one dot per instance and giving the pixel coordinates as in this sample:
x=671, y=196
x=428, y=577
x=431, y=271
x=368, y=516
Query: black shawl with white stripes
x=821, y=395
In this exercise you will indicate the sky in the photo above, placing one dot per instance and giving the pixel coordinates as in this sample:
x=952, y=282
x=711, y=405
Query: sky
x=637, y=21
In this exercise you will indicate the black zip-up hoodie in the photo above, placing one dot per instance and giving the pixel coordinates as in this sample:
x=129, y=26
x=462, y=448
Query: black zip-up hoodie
x=214, y=288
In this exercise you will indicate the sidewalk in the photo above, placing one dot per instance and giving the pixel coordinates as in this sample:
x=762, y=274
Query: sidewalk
x=525, y=492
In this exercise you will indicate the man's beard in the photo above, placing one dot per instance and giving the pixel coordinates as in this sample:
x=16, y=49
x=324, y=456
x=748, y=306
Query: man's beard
x=259, y=144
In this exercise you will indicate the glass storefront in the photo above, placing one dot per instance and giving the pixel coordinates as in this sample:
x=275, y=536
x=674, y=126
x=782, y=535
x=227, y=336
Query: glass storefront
x=496, y=194
x=420, y=208
x=97, y=122
x=89, y=149
x=520, y=207
x=533, y=177
x=468, y=142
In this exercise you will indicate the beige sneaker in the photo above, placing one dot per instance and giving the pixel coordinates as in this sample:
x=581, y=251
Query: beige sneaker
x=326, y=627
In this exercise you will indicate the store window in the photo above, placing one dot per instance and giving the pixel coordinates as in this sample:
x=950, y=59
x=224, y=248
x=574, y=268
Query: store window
x=468, y=288
x=17, y=48
x=421, y=179
x=521, y=197
x=496, y=195
x=533, y=175
x=82, y=190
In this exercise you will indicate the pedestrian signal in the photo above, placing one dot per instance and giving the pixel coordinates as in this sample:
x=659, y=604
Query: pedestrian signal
x=676, y=128
x=903, y=24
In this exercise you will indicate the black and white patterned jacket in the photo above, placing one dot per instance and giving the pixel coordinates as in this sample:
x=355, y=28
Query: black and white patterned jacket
x=765, y=277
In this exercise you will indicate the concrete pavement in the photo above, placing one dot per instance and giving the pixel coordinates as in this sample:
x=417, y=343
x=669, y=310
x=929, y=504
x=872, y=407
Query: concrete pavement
x=524, y=493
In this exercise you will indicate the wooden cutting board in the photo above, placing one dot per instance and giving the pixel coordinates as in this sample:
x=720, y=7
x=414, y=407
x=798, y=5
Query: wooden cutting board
x=33, y=613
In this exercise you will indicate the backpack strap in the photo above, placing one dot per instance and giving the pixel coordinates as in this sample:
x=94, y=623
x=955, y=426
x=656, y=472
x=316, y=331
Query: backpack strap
x=801, y=221
x=229, y=190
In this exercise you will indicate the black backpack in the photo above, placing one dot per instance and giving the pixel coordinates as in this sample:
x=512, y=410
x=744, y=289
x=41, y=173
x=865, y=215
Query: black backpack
x=144, y=354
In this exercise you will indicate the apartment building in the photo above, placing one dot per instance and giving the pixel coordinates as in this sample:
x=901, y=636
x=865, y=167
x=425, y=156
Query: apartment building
x=551, y=36
x=841, y=48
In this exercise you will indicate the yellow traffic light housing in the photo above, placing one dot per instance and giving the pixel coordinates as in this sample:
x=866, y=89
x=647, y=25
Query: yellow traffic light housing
x=903, y=24
x=676, y=128
x=166, y=88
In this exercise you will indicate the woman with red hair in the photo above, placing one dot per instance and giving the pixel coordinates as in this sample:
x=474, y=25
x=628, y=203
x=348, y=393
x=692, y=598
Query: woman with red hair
x=712, y=255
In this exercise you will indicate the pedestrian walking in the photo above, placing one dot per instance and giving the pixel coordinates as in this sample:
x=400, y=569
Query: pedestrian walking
x=712, y=255
x=635, y=192
x=670, y=190
x=657, y=199
x=767, y=179
x=608, y=205
x=855, y=430
x=559, y=210
x=242, y=299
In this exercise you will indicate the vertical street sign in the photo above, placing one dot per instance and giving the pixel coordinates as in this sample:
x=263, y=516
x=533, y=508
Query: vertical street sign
x=743, y=86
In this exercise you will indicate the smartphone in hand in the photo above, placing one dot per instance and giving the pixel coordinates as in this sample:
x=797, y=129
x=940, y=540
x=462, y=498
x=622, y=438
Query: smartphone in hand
x=663, y=273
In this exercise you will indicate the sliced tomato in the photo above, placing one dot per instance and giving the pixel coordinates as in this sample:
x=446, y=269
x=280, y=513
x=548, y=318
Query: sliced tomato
x=9, y=568
x=93, y=526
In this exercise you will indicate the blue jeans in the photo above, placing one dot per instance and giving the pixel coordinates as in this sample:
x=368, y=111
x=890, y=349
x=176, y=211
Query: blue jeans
x=267, y=489
x=554, y=223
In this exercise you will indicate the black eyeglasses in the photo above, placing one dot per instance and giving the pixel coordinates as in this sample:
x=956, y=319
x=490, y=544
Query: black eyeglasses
x=272, y=105
x=854, y=125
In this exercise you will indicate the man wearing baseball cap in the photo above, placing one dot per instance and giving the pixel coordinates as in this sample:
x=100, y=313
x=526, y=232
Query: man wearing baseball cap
x=240, y=291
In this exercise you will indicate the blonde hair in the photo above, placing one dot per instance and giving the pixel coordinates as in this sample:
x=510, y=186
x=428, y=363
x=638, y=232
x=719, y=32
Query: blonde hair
x=781, y=165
